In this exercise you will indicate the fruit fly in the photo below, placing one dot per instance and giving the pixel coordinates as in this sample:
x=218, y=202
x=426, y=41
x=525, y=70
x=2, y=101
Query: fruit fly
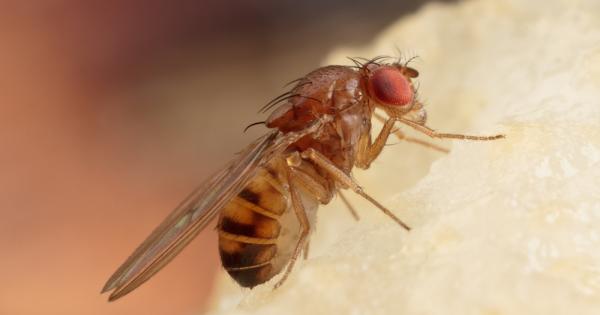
x=266, y=198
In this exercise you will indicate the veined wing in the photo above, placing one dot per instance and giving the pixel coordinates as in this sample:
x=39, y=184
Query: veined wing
x=192, y=215
x=188, y=219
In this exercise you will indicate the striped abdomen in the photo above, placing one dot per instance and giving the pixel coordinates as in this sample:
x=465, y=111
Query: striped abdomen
x=249, y=231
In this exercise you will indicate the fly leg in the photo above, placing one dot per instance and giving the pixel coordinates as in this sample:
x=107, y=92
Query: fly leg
x=304, y=227
x=368, y=150
x=346, y=181
x=349, y=206
x=305, y=176
x=401, y=136
x=310, y=181
x=434, y=134
x=306, y=248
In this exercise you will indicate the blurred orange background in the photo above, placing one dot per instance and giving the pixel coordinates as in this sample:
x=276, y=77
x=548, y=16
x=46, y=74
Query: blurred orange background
x=112, y=111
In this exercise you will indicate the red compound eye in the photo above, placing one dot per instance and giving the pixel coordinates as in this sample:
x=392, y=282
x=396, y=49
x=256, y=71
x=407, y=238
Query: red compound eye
x=390, y=87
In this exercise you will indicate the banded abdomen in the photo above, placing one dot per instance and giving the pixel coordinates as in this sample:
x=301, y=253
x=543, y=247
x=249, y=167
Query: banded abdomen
x=258, y=229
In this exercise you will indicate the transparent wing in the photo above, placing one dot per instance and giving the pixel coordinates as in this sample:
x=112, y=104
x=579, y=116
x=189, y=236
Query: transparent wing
x=192, y=215
x=189, y=218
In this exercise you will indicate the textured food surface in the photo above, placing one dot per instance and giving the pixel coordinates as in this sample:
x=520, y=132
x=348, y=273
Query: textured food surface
x=503, y=227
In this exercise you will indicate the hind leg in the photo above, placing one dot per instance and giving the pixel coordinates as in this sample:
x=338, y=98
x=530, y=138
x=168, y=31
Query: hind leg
x=304, y=227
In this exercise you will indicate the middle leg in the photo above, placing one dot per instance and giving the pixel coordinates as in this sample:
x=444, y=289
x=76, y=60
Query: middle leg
x=348, y=205
x=346, y=181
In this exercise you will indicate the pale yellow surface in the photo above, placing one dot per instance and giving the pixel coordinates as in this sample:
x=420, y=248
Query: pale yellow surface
x=503, y=227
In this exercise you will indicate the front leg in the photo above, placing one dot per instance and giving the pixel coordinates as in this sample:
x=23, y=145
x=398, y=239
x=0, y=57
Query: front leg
x=368, y=151
x=401, y=136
